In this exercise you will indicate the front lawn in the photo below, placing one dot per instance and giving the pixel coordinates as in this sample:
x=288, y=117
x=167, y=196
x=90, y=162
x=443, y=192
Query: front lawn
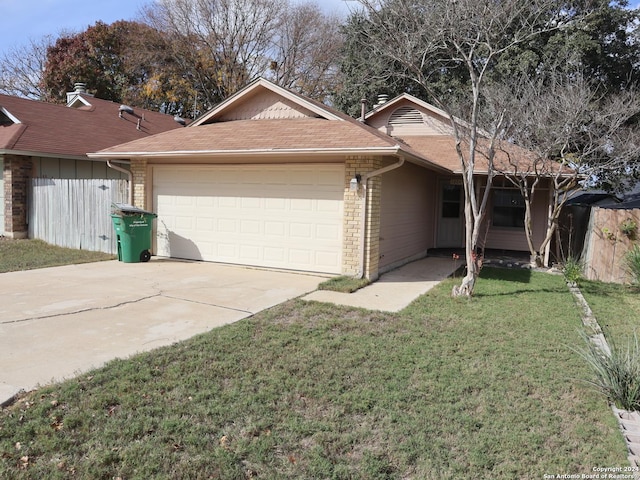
x=16, y=255
x=616, y=307
x=446, y=389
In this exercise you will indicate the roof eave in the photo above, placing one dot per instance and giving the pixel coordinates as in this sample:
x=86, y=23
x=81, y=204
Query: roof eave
x=33, y=153
x=395, y=150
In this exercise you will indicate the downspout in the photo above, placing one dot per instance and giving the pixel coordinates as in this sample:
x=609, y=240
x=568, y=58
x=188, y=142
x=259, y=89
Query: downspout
x=129, y=174
x=363, y=210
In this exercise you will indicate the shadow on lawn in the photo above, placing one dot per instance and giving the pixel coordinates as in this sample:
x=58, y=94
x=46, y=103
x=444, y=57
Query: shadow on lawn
x=520, y=275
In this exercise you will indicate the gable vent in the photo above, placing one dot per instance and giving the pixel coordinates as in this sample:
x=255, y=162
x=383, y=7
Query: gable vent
x=405, y=116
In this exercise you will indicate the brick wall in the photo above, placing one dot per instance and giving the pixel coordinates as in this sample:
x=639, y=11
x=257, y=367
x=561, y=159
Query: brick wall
x=351, y=252
x=17, y=171
x=139, y=173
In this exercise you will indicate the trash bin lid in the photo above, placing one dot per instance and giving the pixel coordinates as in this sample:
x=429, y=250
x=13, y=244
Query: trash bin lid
x=130, y=209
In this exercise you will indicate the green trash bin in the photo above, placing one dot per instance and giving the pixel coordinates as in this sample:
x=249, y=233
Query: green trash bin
x=134, y=229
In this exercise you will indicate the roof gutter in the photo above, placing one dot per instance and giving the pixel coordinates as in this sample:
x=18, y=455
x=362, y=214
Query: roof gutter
x=363, y=211
x=269, y=151
x=33, y=153
x=129, y=174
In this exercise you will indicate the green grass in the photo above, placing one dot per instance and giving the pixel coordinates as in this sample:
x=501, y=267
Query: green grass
x=16, y=255
x=615, y=306
x=344, y=284
x=446, y=389
x=632, y=262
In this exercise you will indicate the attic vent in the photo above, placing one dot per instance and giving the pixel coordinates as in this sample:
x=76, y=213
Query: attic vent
x=125, y=109
x=406, y=116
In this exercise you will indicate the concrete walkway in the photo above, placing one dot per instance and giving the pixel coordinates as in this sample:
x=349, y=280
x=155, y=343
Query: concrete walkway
x=394, y=290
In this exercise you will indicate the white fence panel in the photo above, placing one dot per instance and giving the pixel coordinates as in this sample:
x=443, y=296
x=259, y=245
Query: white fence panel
x=75, y=213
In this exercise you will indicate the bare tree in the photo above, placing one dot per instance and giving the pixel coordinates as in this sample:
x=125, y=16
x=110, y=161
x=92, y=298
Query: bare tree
x=305, y=50
x=427, y=36
x=21, y=69
x=568, y=132
x=225, y=43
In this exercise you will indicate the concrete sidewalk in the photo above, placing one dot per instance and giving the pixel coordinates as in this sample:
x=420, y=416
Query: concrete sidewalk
x=57, y=322
x=394, y=290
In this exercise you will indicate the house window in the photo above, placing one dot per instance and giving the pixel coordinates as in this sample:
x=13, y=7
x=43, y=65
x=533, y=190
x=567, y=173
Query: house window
x=451, y=201
x=508, y=208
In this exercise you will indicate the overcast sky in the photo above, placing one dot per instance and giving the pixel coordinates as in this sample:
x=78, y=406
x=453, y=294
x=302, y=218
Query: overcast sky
x=23, y=20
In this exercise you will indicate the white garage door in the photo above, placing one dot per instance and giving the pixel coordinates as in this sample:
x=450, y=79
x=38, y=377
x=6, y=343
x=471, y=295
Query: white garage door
x=280, y=216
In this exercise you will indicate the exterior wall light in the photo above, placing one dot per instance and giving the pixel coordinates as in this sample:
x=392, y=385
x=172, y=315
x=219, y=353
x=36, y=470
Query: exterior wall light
x=354, y=184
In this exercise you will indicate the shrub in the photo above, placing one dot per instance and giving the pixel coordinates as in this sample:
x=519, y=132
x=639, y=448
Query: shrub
x=632, y=262
x=629, y=228
x=617, y=374
x=572, y=270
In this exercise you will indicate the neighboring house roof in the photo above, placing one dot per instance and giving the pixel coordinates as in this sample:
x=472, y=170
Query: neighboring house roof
x=625, y=205
x=265, y=119
x=31, y=127
x=592, y=198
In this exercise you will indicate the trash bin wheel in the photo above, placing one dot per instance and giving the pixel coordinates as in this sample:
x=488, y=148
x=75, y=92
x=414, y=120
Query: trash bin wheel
x=145, y=256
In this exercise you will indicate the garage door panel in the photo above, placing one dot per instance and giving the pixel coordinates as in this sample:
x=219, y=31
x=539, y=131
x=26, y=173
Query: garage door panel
x=251, y=227
x=274, y=216
x=226, y=226
x=274, y=229
x=328, y=232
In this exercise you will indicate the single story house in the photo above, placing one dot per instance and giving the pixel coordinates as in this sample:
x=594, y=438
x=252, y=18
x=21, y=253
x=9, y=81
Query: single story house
x=44, y=140
x=271, y=178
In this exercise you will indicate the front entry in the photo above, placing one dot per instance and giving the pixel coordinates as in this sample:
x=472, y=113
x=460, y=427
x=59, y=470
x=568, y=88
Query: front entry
x=450, y=218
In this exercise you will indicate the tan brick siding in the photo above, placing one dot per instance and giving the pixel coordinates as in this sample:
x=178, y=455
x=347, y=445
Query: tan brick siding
x=139, y=173
x=351, y=253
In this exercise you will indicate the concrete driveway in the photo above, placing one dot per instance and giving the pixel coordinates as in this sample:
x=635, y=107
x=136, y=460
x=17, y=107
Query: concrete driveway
x=57, y=322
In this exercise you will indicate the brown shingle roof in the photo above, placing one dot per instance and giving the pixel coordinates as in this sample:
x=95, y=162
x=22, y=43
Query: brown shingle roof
x=59, y=130
x=248, y=135
x=441, y=149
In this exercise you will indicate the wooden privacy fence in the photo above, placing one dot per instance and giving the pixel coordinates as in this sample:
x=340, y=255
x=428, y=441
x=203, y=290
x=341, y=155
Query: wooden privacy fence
x=75, y=213
x=606, y=244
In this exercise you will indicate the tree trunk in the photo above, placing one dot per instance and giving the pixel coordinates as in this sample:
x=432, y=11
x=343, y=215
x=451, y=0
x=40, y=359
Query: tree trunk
x=471, y=233
x=465, y=289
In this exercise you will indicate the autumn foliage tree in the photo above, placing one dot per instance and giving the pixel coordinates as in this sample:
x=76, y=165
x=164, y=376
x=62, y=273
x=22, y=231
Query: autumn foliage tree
x=95, y=56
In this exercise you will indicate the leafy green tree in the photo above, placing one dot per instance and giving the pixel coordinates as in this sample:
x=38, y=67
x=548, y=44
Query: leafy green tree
x=600, y=37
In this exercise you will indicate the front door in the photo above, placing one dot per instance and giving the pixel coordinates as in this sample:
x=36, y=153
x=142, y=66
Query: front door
x=450, y=219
